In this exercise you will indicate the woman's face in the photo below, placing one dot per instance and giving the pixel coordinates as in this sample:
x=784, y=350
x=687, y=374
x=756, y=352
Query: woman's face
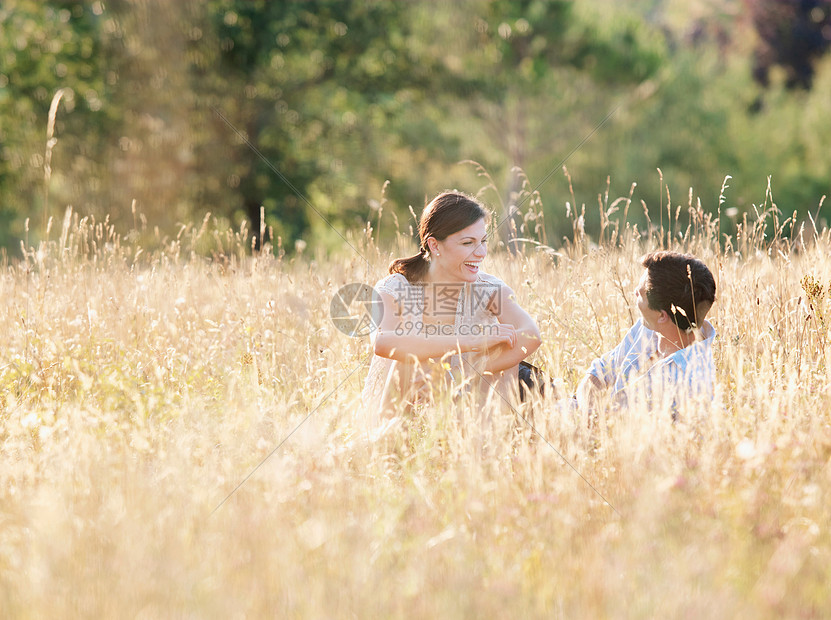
x=460, y=255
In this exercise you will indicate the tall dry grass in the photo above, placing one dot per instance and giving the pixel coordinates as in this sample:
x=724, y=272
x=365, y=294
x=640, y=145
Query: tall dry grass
x=139, y=387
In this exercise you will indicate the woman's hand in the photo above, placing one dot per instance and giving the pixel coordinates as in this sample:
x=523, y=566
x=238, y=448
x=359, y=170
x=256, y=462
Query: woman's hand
x=499, y=334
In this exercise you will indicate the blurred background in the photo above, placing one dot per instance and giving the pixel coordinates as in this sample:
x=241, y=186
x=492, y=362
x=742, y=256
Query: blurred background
x=153, y=113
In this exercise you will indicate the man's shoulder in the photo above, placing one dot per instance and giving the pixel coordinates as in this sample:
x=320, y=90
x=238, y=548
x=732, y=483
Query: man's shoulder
x=697, y=358
x=639, y=331
x=708, y=332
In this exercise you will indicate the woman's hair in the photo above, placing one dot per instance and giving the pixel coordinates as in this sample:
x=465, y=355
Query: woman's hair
x=680, y=284
x=447, y=213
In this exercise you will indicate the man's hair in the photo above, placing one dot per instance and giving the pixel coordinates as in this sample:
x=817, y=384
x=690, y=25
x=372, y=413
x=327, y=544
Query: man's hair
x=681, y=285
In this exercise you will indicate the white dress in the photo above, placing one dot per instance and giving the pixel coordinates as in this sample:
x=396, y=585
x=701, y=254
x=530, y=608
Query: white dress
x=472, y=313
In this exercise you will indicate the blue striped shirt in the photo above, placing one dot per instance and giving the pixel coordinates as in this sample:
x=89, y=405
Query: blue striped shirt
x=634, y=372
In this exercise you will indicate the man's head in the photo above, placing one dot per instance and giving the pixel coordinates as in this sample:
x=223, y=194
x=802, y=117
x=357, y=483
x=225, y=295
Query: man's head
x=678, y=284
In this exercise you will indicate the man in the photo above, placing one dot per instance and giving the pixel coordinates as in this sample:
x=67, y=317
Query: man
x=666, y=358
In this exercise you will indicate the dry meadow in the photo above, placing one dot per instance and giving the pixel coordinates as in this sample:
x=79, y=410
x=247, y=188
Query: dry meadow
x=139, y=388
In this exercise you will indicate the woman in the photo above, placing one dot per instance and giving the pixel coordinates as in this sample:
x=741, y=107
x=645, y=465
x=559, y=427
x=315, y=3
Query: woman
x=443, y=316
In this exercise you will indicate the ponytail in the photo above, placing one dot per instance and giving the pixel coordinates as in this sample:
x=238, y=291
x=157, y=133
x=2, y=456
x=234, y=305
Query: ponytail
x=413, y=268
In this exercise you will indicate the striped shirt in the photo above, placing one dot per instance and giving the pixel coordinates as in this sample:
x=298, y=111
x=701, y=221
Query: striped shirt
x=635, y=373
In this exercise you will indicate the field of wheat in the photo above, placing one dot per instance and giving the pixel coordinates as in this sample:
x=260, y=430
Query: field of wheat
x=181, y=436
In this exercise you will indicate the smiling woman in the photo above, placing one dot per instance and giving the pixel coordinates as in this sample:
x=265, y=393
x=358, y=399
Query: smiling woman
x=446, y=322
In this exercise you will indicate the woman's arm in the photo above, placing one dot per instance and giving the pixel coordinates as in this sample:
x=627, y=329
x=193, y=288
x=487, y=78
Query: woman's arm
x=403, y=337
x=528, y=340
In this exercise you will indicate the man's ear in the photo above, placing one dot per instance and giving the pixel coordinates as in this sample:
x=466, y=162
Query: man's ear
x=664, y=318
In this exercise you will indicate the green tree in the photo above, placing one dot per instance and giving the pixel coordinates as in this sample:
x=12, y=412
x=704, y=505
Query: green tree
x=545, y=74
x=46, y=47
x=313, y=86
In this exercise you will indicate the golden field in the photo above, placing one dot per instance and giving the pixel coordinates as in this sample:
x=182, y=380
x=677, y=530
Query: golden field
x=139, y=388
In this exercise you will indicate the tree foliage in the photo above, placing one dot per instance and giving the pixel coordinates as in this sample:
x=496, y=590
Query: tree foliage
x=792, y=35
x=305, y=108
